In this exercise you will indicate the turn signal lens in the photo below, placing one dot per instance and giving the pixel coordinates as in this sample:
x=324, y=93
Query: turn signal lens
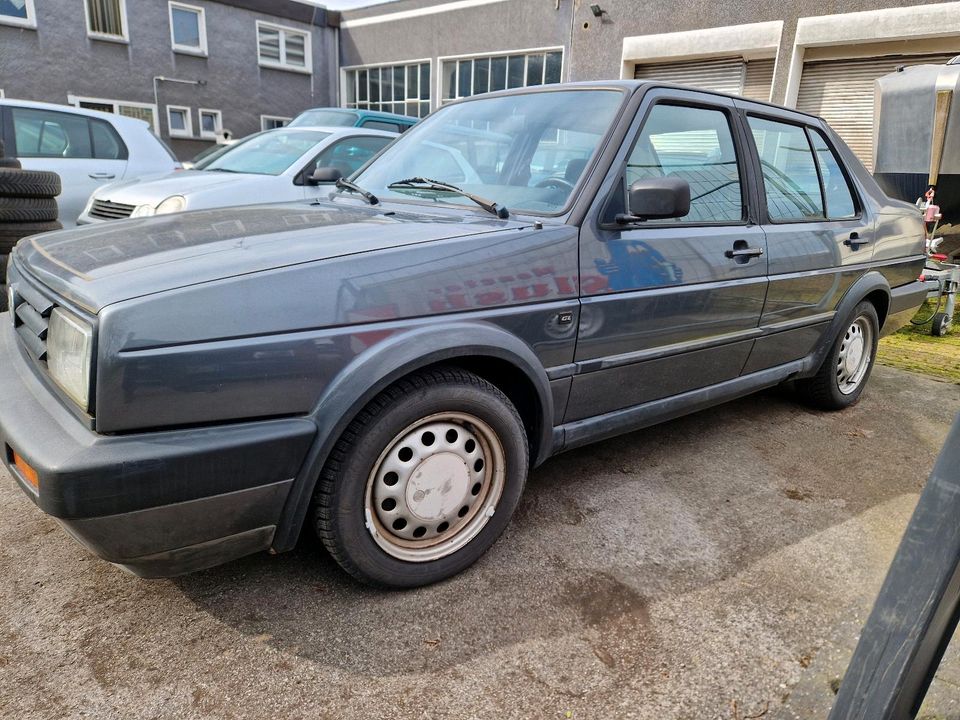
x=29, y=474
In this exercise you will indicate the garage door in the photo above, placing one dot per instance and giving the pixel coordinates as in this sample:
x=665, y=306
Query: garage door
x=735, y=76
x=842, y=93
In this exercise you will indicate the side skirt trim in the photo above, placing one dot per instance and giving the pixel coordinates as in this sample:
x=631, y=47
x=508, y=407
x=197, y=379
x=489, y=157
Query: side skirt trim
x=588, y=430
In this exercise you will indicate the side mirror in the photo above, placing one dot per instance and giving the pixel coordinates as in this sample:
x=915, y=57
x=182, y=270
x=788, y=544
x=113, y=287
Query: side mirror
x=324, y=175
x=658, y=197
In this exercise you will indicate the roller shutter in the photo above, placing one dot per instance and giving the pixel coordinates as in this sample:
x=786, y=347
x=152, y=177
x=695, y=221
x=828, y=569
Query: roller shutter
x=718, y=75
x=757, y=79
x=842, y=93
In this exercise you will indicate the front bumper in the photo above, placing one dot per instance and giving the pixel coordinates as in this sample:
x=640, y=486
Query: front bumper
x=157, y=503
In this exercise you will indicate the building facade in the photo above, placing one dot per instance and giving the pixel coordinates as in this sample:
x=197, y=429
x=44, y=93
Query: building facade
x=802, y=54
x=191, y=69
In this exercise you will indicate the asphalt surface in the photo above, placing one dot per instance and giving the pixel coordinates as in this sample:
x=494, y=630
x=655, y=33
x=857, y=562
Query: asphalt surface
x=718, y=566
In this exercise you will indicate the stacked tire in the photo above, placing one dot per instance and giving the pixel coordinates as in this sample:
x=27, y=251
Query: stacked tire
x=28, y=206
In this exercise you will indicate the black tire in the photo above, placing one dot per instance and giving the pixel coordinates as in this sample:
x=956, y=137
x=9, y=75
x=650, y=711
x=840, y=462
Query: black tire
x=3, y=281
x=28, y=183
x=941, y=325
x=6, y=162
x=823, y=389
x=12, y=233
x=27, y=210
x=339, y=502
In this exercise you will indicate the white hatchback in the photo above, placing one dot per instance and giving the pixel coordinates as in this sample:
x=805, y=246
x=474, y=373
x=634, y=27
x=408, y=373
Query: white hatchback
x=86, y=148
x=270, y=166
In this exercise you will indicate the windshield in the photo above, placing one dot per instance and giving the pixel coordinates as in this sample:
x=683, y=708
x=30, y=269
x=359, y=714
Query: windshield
x=324, y=118
x=525, y=152
x=269, y=153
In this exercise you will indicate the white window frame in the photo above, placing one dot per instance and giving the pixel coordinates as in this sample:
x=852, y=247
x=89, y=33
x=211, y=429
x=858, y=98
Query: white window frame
x=187, y=132
x=206, y=133
x=29, y=22
x=201, y=23
x=264, y=118
x=75, y=100
x=441, y=100
x=916, y=22
x=307, y=69
x=122, y=38
x=344, y=72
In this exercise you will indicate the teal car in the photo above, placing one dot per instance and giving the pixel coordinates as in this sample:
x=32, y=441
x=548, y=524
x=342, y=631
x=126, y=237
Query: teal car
x=342, y=117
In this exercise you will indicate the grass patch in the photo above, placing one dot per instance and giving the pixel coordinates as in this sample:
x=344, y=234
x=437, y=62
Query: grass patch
x=914, y=348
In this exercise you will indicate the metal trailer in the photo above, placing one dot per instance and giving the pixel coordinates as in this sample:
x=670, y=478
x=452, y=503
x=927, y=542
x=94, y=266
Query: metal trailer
x=918, y=159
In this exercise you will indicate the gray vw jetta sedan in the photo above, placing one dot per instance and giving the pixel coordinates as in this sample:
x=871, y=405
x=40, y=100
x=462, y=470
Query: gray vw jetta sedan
x=519, y=274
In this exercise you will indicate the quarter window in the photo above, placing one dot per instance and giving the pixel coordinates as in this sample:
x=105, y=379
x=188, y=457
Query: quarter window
x=107, y=19
x=401, y=89
x=464, y=77
x=17, y=12
x=283, y=48
x=790, y=178
x=188, y=29
x=836, y=187
x=696, y=145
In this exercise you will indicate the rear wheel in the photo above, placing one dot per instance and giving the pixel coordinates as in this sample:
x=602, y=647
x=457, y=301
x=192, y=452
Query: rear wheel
x=423, y=481
x=845, y=371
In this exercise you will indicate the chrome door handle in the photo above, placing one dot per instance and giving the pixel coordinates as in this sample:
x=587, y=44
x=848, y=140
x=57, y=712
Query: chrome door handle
x=747, y=252
x=102, y=176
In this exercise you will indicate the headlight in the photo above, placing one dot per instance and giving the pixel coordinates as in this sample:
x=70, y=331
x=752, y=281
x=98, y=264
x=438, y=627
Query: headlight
x=143, y=211
x=172, y=204
x=69, y=349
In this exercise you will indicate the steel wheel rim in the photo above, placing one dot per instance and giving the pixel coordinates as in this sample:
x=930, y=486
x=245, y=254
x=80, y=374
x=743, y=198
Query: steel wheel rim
x=853, y=360
x=435, y=486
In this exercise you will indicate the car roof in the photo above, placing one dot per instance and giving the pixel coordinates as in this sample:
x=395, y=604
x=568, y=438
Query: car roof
x=368, y=114
x=109, y=117
x=630, y=86
x=337, y=130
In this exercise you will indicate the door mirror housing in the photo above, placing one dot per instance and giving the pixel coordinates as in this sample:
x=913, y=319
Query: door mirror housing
x=324, y=175
x=657, y=198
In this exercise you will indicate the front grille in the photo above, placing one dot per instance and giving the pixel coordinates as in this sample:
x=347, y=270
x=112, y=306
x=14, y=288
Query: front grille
x=31, y=319
x=106, y=210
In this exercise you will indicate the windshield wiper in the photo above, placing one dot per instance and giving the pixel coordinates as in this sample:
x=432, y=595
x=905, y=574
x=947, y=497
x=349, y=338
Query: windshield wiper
x=421, y=183
x=343, y=184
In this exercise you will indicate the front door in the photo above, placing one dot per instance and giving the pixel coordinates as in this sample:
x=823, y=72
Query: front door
x=669, y=306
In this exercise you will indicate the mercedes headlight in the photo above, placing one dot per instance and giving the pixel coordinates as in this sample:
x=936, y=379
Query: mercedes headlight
x=69, y=355
x=143, y=211
x=172, y=204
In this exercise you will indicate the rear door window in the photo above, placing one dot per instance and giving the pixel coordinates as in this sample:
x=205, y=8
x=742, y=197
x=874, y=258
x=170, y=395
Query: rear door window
x=790, y=179
x=46, y=133
x=695, y=144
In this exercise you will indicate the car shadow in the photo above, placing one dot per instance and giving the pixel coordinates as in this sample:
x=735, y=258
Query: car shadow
x=600, y=534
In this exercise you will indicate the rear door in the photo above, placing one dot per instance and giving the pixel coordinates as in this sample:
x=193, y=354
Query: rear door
x=85, y=152
x=667, y=307
x=819, y=234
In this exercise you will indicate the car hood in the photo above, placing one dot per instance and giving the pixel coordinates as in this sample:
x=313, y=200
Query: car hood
x=154, y=190
x=97, y=265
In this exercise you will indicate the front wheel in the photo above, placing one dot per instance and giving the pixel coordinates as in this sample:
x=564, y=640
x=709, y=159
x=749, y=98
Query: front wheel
x=845, y=371
x=423, y=481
